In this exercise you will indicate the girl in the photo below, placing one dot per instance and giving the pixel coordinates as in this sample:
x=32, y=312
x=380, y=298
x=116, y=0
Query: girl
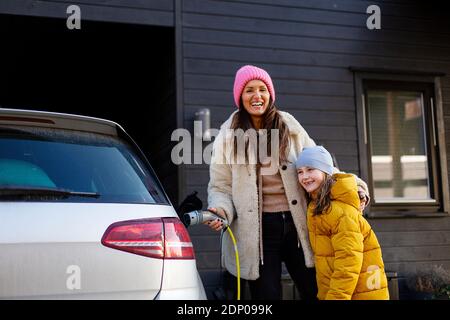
x=347, y=254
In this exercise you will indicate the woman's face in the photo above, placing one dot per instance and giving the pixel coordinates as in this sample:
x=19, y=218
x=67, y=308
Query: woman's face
x=256, y=98
x=311, y=179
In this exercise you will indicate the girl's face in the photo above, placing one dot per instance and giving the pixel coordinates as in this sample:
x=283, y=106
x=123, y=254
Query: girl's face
x=311, y=179
x=255, y=98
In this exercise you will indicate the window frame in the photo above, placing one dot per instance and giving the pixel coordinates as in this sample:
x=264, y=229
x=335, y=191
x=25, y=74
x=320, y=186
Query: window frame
x=429, y=84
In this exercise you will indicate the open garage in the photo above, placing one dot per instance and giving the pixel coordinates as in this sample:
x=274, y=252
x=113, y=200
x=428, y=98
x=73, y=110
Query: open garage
x=117, y=71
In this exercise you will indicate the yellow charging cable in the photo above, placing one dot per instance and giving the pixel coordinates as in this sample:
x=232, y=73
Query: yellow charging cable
x=238, y=268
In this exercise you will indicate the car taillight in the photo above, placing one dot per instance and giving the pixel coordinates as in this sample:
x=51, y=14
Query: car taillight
x=162, y=238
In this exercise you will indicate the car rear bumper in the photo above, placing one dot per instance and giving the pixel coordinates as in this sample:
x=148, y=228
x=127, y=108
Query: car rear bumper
x=181, y=281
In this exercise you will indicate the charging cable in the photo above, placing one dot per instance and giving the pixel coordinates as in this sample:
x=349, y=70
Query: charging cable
x=238, y=268
x=198, y=217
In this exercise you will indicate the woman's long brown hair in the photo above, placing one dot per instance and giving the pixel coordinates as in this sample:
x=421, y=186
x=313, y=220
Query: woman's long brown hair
x=272, y=120
x=323, y=201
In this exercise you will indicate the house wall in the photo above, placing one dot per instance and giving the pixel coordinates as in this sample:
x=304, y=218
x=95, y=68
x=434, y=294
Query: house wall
x=155, y=12
x=308, y=47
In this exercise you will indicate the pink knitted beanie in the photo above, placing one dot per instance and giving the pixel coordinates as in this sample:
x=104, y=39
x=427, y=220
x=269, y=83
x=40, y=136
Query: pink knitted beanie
x=246, y=74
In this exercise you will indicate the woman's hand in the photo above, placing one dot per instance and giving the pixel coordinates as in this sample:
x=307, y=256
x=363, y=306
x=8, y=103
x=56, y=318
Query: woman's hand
x=216, y=225
x=363, y=198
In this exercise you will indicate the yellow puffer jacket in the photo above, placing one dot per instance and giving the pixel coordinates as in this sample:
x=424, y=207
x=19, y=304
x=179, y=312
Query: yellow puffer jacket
x=348, y=257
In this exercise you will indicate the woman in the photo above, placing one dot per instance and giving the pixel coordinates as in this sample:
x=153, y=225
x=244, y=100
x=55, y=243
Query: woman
x=267, y=212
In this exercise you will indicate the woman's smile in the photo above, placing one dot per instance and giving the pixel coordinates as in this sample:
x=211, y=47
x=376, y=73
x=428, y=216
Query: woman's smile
x=255, y=98
x=257, y=105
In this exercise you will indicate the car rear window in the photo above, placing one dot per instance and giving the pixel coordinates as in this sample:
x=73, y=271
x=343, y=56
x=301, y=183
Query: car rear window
x=75, y=161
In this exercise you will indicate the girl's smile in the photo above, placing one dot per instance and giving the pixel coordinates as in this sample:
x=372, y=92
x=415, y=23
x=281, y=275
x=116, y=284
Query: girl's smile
x=311, y=179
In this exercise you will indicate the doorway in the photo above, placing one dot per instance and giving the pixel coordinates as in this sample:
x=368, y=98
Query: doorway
x=121, y=72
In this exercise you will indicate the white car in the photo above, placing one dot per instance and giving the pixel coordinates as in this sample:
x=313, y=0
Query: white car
x=83, y=216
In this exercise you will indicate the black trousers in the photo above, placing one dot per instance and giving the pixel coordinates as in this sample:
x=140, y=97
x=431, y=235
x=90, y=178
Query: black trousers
x=281, y=244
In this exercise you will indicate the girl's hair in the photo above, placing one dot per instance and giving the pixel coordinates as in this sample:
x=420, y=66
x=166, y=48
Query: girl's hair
x=271, y=120
x=323, y=199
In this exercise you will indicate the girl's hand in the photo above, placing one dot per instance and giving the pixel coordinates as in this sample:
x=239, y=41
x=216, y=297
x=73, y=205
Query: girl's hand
x=216, y=225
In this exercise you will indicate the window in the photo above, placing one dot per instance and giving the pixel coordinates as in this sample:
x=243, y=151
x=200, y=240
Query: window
x=68, y=160
x=400, y=148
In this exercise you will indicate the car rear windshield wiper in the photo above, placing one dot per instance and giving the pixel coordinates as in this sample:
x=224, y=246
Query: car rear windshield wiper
x=38, y=191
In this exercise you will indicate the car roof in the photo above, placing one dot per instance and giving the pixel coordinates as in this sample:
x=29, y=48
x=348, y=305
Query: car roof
x=67, y=121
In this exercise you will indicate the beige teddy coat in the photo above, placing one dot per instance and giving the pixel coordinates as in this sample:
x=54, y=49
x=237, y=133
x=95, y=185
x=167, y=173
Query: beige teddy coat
x=234, y=189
